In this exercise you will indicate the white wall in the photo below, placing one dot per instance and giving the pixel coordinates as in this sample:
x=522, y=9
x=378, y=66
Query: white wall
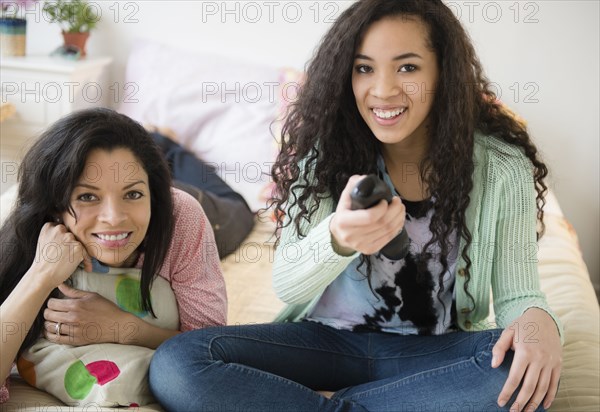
x=543, y=55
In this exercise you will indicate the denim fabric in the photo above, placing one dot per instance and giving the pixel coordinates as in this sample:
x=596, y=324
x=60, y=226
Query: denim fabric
x=278, y=367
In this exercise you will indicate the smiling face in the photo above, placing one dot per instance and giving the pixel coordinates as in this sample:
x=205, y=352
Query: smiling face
x=394, y=78
x=111, y=201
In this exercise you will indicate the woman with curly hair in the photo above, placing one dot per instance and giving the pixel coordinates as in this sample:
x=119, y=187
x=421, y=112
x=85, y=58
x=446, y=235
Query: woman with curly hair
x=395, y=89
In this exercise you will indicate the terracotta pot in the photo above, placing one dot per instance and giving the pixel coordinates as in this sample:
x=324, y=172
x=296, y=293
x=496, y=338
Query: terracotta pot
x=76, y=39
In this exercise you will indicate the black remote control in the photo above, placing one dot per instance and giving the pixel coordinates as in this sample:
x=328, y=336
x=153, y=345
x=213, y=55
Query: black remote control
x=369, y=192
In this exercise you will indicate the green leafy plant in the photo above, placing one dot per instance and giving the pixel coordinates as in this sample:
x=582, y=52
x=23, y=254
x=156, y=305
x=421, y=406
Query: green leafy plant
x=74, y=16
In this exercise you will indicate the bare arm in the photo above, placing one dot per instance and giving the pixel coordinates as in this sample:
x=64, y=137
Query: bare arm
x=19, y=310
x=17, y=314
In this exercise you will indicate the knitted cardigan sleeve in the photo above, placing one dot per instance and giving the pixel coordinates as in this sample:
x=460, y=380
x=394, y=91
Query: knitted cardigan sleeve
x=515, y=277
x=306, y=264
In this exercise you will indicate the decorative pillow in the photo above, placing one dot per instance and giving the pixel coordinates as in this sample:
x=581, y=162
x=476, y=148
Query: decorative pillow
x=219, y=108
x=104, y=375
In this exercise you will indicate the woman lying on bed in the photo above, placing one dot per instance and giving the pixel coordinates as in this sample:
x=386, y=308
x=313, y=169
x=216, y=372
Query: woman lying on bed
x=135, y=260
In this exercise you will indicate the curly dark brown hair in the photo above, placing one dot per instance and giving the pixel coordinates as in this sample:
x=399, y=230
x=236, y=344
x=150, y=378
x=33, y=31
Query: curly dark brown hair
x=325, y=131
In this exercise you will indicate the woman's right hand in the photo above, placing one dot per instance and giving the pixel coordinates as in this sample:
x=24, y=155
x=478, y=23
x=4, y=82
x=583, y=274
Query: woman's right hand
x=366, y=231
x=58, y=254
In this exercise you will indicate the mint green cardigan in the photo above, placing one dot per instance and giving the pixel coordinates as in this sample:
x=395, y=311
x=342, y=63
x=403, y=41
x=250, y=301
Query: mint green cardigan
x=501, y=217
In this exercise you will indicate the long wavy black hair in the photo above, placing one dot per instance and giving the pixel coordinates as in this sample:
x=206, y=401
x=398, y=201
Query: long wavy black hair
x=324, y=130
x=47, y=176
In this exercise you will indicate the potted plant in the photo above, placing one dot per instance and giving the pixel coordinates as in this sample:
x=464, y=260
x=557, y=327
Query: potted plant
x=76, y=18
x=13, y=27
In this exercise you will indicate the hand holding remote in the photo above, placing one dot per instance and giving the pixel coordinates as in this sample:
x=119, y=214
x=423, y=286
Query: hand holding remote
x=367, y=193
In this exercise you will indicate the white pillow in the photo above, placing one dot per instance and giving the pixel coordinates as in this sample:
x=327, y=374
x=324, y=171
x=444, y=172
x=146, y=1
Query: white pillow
x=220, y=108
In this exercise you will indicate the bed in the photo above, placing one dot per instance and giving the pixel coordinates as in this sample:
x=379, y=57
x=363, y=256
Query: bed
x=204, y=121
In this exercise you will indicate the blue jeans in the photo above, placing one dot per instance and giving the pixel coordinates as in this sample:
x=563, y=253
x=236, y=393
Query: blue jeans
x=278, y=367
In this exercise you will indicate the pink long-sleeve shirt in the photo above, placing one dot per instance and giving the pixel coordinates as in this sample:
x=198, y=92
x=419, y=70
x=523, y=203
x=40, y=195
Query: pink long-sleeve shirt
x=192, y=267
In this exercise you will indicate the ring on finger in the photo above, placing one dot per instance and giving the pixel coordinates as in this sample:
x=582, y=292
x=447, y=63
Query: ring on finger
x=57, y=328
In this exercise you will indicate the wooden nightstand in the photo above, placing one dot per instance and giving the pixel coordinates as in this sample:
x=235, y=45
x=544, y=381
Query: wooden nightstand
x=42, y=89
